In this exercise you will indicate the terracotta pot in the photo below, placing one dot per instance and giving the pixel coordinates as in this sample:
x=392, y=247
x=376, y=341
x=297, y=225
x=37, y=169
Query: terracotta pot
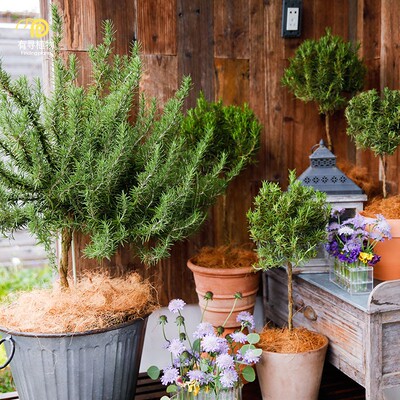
x=224, y=283
x=291, y=376
x=388, y=268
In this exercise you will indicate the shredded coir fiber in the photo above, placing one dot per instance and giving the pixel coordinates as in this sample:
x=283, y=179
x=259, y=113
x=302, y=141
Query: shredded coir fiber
x=389, y=207
x=225, y=257
x=97, y=301
x=298, y=340
x=361, y=177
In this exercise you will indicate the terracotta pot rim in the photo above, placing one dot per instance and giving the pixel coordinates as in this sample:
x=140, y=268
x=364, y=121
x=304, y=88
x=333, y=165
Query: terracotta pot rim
x=301, y=352
x=199, y=268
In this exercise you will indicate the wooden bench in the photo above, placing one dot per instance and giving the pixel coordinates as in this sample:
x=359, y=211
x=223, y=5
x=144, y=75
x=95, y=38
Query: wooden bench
x=363, y=330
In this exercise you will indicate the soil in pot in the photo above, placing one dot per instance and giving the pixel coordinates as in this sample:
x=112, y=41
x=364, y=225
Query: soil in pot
x=225, y=271
x=388, y=268
x=291, y=364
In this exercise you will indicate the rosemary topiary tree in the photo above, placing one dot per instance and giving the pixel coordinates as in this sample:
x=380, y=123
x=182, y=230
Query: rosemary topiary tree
x=287, y=227
x=236, y=130
x=326, y=71
x=99, y=160
x=374, y=123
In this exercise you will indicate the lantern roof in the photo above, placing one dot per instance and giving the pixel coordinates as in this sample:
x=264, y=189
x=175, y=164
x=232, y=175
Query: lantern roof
x=323, y=175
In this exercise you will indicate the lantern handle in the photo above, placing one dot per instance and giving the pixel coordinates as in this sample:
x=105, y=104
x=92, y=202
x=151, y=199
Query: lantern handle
x=321, y=143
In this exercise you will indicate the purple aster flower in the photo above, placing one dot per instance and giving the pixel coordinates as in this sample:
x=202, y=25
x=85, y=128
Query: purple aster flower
x=246, y=319
x=176, y=305
x=228, y=378
x=176, y=347
x=214, y=344
x=357, y=222
x=346, y=230
x=239, y=337
x=225, y=361
x=352, y=245
x=203, y=329
x=250, y=357
x=170, y=375
x=333, y=226
x=337, y=211
x=197, y=375
x=383, y=226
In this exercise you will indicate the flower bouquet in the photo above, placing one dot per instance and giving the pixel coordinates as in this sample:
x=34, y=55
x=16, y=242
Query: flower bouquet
x=352, y=244
x=209, y=365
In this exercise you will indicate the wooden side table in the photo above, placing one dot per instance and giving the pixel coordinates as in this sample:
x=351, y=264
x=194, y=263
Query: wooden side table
x=363, y=330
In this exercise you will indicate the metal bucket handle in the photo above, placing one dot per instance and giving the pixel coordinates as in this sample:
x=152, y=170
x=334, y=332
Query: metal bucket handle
x=8, y=339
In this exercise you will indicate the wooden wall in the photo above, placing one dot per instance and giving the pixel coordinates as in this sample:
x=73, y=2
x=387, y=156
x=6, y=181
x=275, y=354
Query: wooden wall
x=233, y=50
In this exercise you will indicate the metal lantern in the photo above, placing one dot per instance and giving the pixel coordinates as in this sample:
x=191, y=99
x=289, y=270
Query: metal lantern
x=342, y=192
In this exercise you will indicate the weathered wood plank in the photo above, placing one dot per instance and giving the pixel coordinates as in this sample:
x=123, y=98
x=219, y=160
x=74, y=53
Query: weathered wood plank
x=195, y=57
x=83, y=23
x=160, y=77
x=156, y=26
x=385, y=297
x=231, y=29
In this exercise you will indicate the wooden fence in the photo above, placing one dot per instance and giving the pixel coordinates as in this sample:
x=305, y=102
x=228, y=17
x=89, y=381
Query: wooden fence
x=233, y=50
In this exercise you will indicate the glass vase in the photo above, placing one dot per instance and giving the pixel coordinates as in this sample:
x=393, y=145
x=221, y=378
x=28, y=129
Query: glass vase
x=234, y=393
x=355, y=278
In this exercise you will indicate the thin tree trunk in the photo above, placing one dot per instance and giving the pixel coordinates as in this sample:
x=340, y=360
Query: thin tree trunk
x=384, y=168
x=290, y=295
x=66, y=238
x=327, y=131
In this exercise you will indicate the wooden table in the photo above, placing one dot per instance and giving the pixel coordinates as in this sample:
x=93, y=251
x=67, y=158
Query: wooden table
x=363, y=330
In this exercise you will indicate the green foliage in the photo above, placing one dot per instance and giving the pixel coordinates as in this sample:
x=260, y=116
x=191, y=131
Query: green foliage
x=287, y=226
x=324, y=70
x=374, y=121
x=6, y=380
x=101, y=158
x=23, y=279
x=236, y=130
x=153, y=372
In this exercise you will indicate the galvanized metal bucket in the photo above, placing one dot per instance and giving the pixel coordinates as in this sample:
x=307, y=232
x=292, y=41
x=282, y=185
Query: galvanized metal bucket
x=95, y=365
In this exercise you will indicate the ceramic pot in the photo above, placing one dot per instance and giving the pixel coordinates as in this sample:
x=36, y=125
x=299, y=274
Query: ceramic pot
x=97, y=365
x=291, y=376
x=224, y=283
x=388, y=268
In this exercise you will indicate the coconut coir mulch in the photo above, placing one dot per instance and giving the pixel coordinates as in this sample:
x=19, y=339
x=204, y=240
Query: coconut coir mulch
x=389, y=207
x=225, y=257
x=98, y=301
x=298, y=340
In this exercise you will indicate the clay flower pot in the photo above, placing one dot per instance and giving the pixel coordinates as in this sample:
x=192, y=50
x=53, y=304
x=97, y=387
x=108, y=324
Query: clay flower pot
x=291, y=376
x=388, y=267
x=224, y=283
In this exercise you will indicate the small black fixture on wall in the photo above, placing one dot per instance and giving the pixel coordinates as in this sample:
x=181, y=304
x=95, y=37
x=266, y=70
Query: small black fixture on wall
x=291, y=18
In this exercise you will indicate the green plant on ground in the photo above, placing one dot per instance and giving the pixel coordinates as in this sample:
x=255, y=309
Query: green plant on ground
x=374, y=123
x=22, y=279
x=97, y=159
x=287, y=227
x=6, y=381
x=326, y=71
